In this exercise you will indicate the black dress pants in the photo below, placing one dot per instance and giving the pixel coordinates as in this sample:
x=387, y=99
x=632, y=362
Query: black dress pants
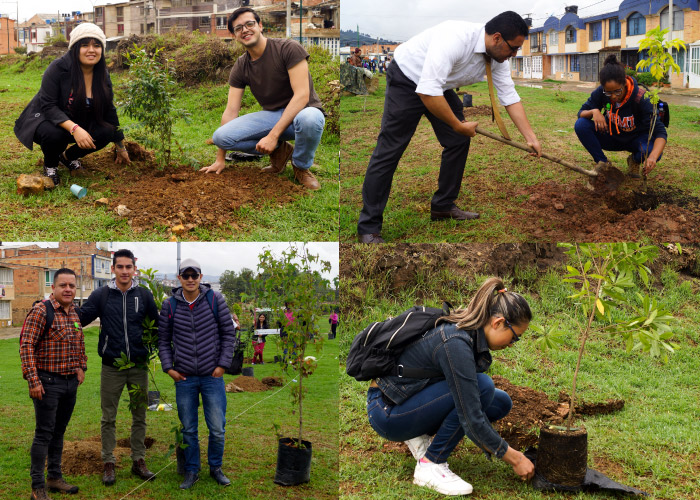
x=403, y=110
x=54, y=140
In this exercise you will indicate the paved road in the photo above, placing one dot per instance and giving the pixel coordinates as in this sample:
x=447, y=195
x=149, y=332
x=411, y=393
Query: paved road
x=684, y=97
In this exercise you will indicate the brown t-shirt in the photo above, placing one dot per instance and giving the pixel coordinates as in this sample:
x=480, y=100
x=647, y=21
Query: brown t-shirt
x=268, y=76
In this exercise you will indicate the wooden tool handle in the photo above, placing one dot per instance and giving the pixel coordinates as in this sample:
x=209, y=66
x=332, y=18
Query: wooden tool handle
x=527, y=148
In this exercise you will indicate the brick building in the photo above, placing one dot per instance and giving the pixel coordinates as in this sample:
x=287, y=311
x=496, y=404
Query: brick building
x=26, y=274
x=8, y=35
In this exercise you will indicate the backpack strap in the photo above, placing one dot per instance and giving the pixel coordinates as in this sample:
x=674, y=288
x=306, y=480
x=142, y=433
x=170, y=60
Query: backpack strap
x=104, y=295
x=50, y=313
x=213, y=304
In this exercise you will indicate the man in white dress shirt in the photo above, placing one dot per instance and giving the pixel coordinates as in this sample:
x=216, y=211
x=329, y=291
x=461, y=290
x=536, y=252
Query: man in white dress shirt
x=420, y=81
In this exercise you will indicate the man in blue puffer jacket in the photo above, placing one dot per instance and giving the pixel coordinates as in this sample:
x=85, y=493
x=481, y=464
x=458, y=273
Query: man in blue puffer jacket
x=122, y=305
x=196, y=341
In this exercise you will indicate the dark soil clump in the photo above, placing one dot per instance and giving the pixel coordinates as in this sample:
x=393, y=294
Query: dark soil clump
x=126, y=442
x=250, y=384
x=81, y=458
x=272, y=382
x=477, y=111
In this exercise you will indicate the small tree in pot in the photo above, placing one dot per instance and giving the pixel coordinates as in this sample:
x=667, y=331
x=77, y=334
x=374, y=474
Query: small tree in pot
x=291, y=279
x=606, y=281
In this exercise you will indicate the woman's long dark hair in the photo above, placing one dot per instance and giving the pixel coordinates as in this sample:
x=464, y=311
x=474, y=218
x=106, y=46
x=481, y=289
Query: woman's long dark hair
x=264, y=324
x=101, y=96
x=612, y=70
x=492, y=299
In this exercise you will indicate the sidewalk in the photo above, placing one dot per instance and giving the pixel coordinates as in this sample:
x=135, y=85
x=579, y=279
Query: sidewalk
x=575, y=85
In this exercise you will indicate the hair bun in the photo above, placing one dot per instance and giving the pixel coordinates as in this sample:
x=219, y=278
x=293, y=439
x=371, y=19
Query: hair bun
x=611, y=59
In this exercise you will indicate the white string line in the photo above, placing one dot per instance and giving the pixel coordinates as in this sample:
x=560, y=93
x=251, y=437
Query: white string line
x=227, y=421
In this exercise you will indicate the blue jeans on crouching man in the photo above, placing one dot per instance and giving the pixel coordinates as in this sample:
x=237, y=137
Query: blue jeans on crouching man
x=213, y=393
x=432, y=411
x=595, y=142
x=244, y=132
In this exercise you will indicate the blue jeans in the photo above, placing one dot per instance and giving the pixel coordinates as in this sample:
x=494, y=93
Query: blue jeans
x=595, y=142
x=213, y=394
x=244, y=132
x=432, y=411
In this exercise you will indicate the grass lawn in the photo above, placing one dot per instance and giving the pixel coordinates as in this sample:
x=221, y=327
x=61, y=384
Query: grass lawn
x=251, y=444
x=58, y=215
x=498, y=178
x=651, y=444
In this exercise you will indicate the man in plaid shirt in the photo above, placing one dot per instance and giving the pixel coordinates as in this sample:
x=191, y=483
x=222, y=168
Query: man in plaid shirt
x=54, y=365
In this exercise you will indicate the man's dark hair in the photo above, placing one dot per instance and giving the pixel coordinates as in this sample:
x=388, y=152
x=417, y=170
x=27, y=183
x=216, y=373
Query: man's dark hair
x=238, y=12
x=63, y=270
x=509, y=24
x=123, y=253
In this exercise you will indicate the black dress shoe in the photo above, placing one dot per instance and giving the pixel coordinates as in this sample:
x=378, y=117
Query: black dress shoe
x=370, y=238
x=219, y=477
x=190, y=479
x=453, y=213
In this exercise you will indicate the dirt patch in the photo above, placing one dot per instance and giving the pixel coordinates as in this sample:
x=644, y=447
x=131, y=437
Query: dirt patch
x=557, y=212
x=477, y=111
x=81, y=458
x=250, y=384
x=271, y=382
x=126, y=442
x=182, y=196
x=604, y=408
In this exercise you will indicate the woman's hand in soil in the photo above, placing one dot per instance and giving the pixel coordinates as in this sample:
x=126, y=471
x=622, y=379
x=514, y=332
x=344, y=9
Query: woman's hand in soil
x=214, y=168
x=83, y=139
x=649, y=165
x=266, y=145
x=521, y=464
x=122, y=157
x=599, y=121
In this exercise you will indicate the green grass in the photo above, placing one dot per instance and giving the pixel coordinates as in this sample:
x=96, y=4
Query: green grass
x=493, y=171
x=251, y=445
x=58, y=215
x=651, y=444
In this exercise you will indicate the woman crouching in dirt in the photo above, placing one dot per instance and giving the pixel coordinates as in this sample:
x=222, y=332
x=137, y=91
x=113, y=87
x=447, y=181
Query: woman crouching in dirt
x=74, y=105
x=465, y=401
x=624, y=123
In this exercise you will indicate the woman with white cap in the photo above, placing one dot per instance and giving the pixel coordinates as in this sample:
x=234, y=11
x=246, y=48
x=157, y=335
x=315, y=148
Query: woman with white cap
x=75, y=104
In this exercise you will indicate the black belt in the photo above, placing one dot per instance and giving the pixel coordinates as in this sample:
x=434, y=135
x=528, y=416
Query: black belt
x=58, y=375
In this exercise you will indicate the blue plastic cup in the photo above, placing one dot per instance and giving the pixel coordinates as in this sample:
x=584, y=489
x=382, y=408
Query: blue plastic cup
x=78, y=191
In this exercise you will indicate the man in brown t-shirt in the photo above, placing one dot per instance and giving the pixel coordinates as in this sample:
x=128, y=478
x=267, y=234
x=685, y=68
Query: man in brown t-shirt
x=277, y=72
x=356, y=59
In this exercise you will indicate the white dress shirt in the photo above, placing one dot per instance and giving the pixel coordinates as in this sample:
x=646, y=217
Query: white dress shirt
x=451, y=55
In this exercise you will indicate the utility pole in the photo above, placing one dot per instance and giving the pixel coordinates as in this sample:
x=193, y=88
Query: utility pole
x=358, y=36
x=301, y=14
x=289, y=18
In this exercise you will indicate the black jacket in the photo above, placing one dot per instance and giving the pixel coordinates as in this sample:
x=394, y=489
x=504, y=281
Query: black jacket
x=631, y=119
x=51, y=103
x=122, y=321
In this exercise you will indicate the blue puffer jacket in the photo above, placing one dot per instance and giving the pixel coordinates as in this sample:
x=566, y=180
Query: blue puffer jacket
x=190, y=340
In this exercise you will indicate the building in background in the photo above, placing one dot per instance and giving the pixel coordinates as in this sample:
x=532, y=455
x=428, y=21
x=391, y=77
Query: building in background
x=8, y=35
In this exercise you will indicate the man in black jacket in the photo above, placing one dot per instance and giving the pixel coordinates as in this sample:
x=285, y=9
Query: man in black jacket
x=122, y=306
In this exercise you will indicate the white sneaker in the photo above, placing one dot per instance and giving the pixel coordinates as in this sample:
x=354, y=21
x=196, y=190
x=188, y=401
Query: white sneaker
x=419, y=445
x=440, y=478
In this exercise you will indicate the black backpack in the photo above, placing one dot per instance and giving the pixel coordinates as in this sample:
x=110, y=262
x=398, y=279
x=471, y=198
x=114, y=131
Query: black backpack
x=375, y=350
x=49, y=315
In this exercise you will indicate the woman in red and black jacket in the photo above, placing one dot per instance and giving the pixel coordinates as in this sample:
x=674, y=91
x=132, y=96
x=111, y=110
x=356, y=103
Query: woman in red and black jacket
x=75, y=104
x=623, y=124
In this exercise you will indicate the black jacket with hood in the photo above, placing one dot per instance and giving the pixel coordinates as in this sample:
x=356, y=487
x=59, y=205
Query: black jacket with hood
x=629, y=118
x=121, y=320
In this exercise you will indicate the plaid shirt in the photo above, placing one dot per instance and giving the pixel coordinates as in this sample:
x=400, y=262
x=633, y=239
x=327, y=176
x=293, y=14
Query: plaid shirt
x=61, y=351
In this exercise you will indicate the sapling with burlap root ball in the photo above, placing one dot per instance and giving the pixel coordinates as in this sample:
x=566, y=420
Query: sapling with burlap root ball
x=610, y=291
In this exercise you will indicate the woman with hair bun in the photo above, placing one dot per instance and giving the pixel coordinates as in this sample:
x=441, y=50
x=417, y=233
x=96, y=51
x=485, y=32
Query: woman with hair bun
x=624, y=122
x=73, y=106
x=462, y=402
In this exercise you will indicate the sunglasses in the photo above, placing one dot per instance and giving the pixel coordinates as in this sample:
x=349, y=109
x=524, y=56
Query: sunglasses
x=248, y=24
x=515, y=335
x=190, y=276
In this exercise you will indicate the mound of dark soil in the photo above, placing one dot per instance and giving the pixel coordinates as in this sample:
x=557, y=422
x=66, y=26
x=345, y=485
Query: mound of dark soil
x=477, y=111
x=271, y=382
x=182, y=196
x=250, y=384
x=81, y=458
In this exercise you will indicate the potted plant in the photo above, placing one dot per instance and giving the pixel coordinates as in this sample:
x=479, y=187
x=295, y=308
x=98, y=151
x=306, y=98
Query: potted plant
x=294, y=279
x=610, y=283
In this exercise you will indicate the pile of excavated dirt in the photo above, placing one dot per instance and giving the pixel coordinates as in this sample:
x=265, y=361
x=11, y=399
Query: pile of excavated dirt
x=477, y=111
x=173, y=196
x=81, y=458
x=271, y=382
x=250, y=384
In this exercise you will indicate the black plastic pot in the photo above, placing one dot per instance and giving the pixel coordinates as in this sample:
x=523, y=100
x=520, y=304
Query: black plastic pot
x=153, y=397
x=562, y=457
x=467, y=100
x=247, y=371
x=293, y=464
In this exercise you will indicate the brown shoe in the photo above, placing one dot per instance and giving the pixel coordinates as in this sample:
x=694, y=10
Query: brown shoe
x=61, y=485
x=374, y=238
x=40, y=494
x=306, y=178
x=453, y=213
x=279, y=158
x=108, y=477
x=633, y=167
x=139, y=468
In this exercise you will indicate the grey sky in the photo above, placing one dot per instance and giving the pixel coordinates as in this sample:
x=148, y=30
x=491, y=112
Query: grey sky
x=215, y=258
x=399, y=20
x=28, y=9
